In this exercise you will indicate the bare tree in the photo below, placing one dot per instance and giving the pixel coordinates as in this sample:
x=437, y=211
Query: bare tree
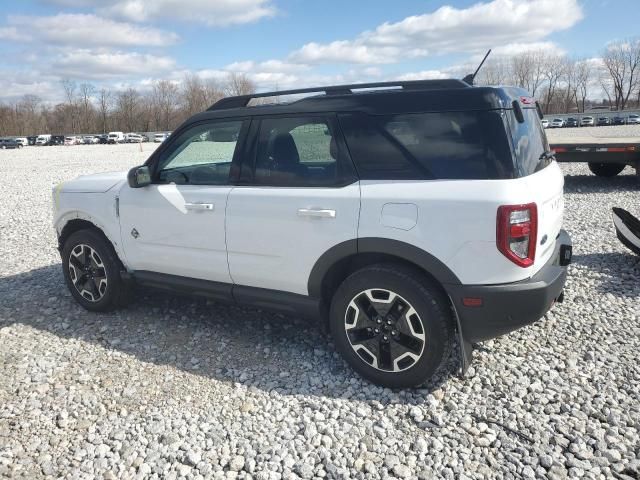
x=553, y=72
x=128, y=104
x=105, y=99
x=69, y=87
x=496, y=71
x=239, y=84
x=583, y=77
x=528, y=70
x=192, y=95
x=164, y=102
x=85, y=94
x=622, y=61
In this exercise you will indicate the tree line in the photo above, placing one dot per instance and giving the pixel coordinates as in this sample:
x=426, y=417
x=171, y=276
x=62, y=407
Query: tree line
x=87, y=109
x=561, y=84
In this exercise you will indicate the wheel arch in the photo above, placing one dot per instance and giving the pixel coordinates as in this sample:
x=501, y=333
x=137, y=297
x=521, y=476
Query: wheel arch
x=342, y=259
x=71, y=224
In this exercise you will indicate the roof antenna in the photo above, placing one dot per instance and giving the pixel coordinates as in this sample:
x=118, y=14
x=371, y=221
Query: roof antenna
x=471, y=77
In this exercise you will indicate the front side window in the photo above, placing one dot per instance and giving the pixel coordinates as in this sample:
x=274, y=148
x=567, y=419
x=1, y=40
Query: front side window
x=201, y=155
x=298, y=151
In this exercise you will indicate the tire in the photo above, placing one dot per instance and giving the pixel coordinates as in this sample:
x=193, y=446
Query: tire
x=418, y=341
x=606, y=169
x=99, y=288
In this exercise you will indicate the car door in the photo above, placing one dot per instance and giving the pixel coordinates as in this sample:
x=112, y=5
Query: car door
x=298, y=196
x=176, y=225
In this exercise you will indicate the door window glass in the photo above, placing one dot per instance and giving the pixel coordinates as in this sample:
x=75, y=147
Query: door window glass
x=297, y=152
x=202, y=155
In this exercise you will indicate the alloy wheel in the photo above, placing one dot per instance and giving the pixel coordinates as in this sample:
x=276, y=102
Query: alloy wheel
x=87, y=272
x=384, y=330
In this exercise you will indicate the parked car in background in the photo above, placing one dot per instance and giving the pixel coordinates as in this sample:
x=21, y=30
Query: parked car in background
x=22, y=141
x=32, y=139
x=9, y=143
x=70, y=141
x=102, y=139
x=545, y=123
x=89, y=140
x=633, y=119
x=43, y=139
x=603, y=121
x=57, y=140
x=145, y=138
x=115, y=137
x=571, y=122
x=557, y=123
x=587, y=121
x=133, y=138
x=160, y=137
x=617, y=120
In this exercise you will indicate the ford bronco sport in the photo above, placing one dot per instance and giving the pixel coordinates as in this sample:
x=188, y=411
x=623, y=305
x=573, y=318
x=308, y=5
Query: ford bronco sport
x=401, y=214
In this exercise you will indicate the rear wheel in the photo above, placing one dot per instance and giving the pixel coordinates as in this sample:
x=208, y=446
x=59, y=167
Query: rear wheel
x=92, y=271
x=605, y=169
x=391, y=325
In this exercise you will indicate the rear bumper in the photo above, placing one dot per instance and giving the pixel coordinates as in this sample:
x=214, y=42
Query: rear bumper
x=507, y=307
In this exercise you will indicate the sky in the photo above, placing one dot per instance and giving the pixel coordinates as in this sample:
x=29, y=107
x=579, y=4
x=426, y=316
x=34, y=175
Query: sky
x=285, y=43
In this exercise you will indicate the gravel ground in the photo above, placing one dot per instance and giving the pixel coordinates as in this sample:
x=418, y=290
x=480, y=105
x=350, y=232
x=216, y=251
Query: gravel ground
x=615, y=131
x=176, y=387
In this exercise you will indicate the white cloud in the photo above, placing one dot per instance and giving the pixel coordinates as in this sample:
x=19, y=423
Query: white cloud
x=89, y=30
x=12, y=33
x=100, y=65
x=217, y=13
x=424, y=75
x=448, y=30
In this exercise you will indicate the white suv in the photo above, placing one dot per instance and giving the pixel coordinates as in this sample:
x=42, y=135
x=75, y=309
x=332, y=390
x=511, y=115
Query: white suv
x=398, y=218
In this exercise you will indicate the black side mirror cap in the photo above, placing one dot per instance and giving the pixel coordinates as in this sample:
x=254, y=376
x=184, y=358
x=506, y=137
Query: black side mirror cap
x=139, y=177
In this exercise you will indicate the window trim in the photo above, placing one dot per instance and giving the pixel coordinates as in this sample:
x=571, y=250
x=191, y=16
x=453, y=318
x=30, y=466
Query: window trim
x=247, y=166
x=153, y=162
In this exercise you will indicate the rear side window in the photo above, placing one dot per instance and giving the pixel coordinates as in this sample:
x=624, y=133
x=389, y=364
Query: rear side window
x=441, y=145
x=529, y=143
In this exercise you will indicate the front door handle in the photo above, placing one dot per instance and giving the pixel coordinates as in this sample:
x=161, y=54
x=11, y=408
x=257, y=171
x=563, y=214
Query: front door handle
x=316, y=212
x=199, y=206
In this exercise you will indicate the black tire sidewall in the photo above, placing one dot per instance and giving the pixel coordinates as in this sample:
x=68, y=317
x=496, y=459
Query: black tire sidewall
x=425, y=299
x=606, y=169
x=111, y=265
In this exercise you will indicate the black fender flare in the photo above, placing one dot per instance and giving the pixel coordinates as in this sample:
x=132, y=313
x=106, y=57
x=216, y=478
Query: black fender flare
x=386, y=246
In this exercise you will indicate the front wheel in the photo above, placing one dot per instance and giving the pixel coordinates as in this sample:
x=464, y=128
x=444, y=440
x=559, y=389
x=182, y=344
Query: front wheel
x=605, y=169
x=92, y=271
x=391, y=325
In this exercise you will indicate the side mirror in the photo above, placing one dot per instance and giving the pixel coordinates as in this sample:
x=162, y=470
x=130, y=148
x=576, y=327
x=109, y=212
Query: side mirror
x=139, y=177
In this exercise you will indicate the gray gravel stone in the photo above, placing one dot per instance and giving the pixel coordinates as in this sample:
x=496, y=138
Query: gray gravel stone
x=176, y=387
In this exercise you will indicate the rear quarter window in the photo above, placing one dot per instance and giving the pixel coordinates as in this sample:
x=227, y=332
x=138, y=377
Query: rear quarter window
x=441, y=145
x=529, y=143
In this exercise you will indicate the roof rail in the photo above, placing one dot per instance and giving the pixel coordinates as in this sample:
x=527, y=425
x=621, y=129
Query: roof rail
x=243, y=100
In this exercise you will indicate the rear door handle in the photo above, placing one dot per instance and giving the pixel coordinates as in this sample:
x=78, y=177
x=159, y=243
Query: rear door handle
x=316, y=212
x=199, y=206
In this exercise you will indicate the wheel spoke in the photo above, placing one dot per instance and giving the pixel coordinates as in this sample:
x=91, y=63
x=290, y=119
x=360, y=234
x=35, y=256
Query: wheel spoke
x=397, y=309
x=385, y=361
x=366, y=307
x=73, y=260
x=360, y=335
x=409, y=343
x=86, y=256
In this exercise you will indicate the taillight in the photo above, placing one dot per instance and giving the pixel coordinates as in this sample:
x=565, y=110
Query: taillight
x=517, y=233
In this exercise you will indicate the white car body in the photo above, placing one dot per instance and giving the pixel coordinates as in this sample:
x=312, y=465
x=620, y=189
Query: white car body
x=160, y=137
x=587, y=121
x=557, y=123
x=22, y=141
x=43, y=139
x=633, y=119
x=133, y=138
x=115, y=137
x=70, y=141
x=89, y=140
x=545, y=123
